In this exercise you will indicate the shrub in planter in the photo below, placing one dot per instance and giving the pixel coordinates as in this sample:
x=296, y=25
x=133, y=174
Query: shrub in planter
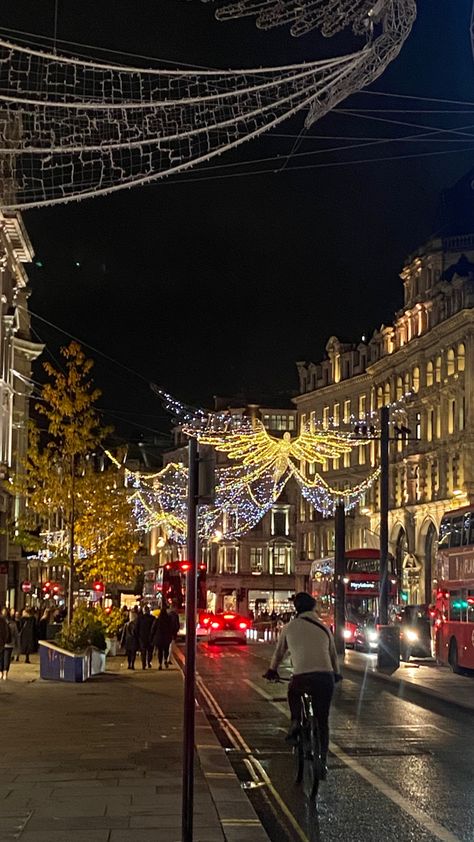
x=85, y=629
x=111, y=619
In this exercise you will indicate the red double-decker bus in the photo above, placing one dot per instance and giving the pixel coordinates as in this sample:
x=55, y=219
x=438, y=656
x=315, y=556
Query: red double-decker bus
x=454, y=593
x=362, y=591
x=168, y=582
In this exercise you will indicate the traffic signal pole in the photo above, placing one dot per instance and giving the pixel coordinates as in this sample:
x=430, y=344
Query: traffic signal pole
x=339, y=576
x=190, y=648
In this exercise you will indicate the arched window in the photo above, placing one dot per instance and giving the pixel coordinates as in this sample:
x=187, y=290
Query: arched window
x=386, y=393
x=406, y=382
x=431, y=546
x=450, y=362
x=438, y=370
x=429, y=373
x=461, y=356
x=399, y=388
x=416, y=379
x=379, y=397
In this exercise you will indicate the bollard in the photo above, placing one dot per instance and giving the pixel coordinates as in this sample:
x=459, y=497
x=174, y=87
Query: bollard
x=388, y=654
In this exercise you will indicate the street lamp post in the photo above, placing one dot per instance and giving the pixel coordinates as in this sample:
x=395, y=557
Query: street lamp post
x=388, y=653
x=339, y=576
x=70, y=590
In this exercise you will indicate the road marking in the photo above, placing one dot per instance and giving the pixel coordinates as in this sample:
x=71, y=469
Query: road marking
x=437, y=830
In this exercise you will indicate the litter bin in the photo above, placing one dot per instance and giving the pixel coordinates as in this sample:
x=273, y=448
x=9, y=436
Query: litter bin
x=388, y=655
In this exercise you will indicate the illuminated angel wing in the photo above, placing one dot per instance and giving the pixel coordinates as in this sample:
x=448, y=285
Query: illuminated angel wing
x=249, y=446
x=319, y=446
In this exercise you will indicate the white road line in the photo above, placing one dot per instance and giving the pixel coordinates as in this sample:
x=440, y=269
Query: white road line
x=437, y=830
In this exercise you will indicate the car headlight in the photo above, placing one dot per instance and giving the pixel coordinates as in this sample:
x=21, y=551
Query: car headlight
x=347, y=634
x=372, y=636
x=411, y=636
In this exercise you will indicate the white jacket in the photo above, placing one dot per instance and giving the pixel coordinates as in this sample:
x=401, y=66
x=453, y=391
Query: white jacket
x=310, y=644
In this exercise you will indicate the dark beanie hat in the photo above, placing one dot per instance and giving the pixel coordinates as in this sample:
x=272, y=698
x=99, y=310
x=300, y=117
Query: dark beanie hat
x=304, y=602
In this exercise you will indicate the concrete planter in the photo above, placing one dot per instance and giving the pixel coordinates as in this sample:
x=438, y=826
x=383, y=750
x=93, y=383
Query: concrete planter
x=58, y=664
x=112, y=646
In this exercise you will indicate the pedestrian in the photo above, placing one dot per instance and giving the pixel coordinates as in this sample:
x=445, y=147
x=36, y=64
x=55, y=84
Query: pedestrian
x=4, y=641
x=129, y=639
x=144, y=626
x=27, y=635
x=11, y=645
x=43, y=623
x=18, y=621
x=162, y=635
x=174, y=617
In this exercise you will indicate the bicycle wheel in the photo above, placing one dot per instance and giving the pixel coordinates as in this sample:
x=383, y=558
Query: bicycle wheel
x=312, y=760
x=298, y=759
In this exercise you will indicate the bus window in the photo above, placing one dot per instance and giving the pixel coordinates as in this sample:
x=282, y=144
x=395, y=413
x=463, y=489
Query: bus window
x=457, y=532
x=444, y=533
x=470, y=606
x=455, y=605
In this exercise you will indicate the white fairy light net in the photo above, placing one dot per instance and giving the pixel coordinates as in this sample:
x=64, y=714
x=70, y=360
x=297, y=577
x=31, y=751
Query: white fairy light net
x=73, y=129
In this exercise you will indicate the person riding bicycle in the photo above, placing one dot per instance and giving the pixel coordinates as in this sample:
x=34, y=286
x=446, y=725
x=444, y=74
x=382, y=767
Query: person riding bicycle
x=315, y=667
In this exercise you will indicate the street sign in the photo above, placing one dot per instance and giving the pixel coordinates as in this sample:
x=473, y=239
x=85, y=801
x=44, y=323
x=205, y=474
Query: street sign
x=26, y=586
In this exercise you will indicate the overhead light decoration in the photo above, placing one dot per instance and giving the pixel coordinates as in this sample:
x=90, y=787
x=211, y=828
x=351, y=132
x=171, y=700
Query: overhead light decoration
x=73, y=128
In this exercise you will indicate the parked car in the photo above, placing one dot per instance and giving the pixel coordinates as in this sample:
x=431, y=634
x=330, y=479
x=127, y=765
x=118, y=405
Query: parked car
x=228, y=626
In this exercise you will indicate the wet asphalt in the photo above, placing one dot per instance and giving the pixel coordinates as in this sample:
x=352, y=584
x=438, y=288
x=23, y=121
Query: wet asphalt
x=402, y=768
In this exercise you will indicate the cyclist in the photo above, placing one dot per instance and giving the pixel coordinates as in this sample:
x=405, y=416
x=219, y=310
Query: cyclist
x=315, y=668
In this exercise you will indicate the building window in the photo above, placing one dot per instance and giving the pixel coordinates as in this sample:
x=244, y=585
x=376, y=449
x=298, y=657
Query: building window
x=379, y=397
x=347, y=460
x=399, y=390
x=312, y=421
x=280, y=521
x=461, y=356
x=256, y=560
x=362, y=455
x=452, y=416
x=337, y=414
x=462, y=410
x=450, y=362
x=406, y=383
x=325, y=417
x=438, y=370
x=416, y=379
x=231, y=559
x=430, y=426
x=429, y=373
x=347, y=412
x=362, y=406
x=303, y=423
x=386, y=393
x=418, y=426
x=279, y=556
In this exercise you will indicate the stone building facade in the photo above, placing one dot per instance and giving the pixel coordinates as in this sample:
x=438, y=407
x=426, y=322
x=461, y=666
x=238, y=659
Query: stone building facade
x=17, y=353
x=423, y=366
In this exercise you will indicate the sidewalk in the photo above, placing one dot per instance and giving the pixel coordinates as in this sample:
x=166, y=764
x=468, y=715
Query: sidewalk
x=102, y=762
x=421, y=676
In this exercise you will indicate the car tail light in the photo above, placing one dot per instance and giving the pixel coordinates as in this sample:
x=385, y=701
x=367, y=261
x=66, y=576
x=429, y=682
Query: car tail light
x=205, y=621
x=229, y=616
x=242, y=625
x=215, y=625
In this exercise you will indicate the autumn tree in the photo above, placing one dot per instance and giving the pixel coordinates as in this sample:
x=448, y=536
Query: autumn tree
x=81, y=512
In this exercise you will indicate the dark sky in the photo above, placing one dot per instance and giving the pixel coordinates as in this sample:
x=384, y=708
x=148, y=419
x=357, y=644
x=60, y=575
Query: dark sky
x=218, y=285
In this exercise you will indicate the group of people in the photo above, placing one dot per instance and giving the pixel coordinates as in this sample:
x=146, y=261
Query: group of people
x=18, y=636
x=146, y=633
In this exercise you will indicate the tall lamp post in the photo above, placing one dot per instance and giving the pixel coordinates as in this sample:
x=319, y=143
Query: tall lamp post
x=388, y=653
x=339, y=576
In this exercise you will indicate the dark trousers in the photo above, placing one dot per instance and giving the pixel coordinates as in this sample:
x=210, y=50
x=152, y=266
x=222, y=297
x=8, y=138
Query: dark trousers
x=5, y=658
x=320, y=686
x=131, y=655
x=163, y=652
x=147, y=655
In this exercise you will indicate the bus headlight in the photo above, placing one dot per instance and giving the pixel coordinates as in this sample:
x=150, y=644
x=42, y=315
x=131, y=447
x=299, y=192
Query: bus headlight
x=372, y=636
x=347, y=634
x=411, y=636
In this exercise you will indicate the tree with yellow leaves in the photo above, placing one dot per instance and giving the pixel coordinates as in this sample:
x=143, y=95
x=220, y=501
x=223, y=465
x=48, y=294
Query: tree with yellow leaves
x=79, y=514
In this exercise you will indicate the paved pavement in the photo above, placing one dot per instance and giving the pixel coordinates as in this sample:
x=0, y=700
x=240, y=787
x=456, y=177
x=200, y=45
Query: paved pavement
x=101, y=762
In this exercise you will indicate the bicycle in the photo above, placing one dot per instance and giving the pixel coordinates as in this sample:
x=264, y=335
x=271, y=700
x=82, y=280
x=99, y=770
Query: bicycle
x=307, y=762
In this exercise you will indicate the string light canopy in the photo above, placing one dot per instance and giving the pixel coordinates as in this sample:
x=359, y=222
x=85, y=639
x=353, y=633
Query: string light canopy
x=74, y=129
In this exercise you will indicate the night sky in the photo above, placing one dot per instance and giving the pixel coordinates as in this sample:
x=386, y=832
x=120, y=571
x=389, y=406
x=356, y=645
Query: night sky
x=218, y=286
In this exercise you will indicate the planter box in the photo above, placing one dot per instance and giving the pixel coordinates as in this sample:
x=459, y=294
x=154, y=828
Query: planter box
x=112, y=646
x=58, y=664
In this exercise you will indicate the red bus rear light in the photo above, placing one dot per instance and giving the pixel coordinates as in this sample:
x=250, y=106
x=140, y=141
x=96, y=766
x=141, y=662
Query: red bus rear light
x=215, y=625
x=242, y=625
x=229, y=616
x=205, y=621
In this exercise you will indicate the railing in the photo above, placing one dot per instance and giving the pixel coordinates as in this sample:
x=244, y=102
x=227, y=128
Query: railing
x=465, y=241
x=263, y=635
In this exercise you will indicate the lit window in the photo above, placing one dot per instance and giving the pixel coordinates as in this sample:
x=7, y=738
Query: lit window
x=325, y=417
x=452, y=416
x=386, y=393
x=461, y=356
x=362, y=455
x=450, y=362
x=399, y=388
x=418, y=426
x=429, y=374
x=256, y=560
x=438, y=370
x=416, y=379
x=279, y=557
x=347, y=412
x=336, y=416
x=362, y=406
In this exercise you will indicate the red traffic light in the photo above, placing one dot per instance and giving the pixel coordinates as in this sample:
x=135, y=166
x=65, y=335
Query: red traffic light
x=98, y=587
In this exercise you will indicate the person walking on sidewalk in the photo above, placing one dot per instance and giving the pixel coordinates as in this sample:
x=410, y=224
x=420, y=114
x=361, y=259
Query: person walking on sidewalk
x=144, y=626
x=11, y=645
x=27, y=635
x=129, y=639
x=4, y=641
x=162, y=635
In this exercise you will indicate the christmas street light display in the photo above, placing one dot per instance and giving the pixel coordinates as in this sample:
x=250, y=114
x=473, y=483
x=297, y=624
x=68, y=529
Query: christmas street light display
x=72, y=128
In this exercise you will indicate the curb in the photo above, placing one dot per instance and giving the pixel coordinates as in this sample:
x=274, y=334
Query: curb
x=237, y=817
x=421, y=689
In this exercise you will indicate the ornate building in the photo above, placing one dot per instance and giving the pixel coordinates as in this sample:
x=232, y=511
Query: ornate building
x=17, y=352
x=423, y=365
